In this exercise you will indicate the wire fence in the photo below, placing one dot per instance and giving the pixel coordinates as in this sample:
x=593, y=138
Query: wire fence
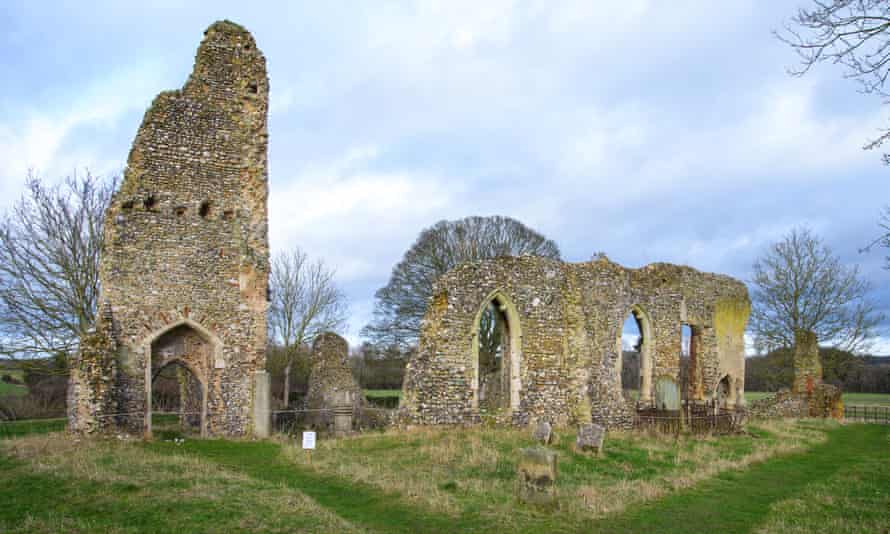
x=867, y=414
x=362, y=419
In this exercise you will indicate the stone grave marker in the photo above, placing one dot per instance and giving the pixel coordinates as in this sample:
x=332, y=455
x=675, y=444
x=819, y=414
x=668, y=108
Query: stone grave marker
x=543, y=433
x=590, y=438
x=536, y=472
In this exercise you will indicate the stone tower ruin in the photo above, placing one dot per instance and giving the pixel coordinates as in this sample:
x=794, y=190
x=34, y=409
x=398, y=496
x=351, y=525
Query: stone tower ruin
x=185, y=266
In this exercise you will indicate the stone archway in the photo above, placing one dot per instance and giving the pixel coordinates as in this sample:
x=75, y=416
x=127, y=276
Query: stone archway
x=724, y=393
x=496, y=371
x=175, y=386
x=190, y=345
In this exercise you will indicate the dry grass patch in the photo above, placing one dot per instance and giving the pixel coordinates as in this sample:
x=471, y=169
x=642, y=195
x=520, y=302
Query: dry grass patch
x=450, y=470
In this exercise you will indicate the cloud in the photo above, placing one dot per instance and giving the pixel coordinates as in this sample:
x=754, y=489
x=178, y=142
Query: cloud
x=346, y=201
x=45, y=137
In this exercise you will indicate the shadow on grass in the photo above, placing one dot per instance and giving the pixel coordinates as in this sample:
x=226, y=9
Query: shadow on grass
x=358, y=503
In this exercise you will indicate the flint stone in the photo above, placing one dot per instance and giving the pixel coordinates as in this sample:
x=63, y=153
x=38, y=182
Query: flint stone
x=536, y=472
x=590, y=438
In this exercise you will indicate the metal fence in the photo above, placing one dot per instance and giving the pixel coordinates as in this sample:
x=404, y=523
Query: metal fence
x=697, y=418
x=867, y=414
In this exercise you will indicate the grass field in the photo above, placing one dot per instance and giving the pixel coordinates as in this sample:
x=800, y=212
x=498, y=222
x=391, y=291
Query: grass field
x=383, y=393
x=882, y=399
x=782, y=477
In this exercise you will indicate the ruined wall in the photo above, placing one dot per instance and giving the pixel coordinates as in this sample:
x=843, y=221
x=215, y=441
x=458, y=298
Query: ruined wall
x=568, y=320
x=809, y=396
x=186, y=248
x=330, y=374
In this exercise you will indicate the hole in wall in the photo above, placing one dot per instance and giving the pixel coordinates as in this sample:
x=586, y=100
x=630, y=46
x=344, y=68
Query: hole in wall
x=228, y=215
x=128, y=205
x=179, y=211
x=150, y=202
x=252, y=87
x=204, y=210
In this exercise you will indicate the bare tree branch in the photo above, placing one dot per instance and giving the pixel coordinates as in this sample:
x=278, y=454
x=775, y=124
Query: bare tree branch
x=850, y=33
x=50, y=242
x=305, y=302
x=800, y=284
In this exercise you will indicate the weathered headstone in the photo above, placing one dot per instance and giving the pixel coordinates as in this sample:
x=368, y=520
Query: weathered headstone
x=590, y=438
x=537, y=476
x=543, y=433
x=667, y=394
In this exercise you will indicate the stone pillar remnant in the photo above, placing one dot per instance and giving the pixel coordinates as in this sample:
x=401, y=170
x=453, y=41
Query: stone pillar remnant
x=807, y=367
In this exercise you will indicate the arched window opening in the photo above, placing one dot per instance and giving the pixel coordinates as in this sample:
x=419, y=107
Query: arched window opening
x=634, y=364
x=691, y=384
x=631, y=357
x=723, y=393
x=494, y=351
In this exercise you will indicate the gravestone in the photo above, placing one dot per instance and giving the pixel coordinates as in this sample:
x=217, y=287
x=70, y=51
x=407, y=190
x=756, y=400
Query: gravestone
x=590, y=438
x=536, y=472
x=543, y=433
x=667, y=394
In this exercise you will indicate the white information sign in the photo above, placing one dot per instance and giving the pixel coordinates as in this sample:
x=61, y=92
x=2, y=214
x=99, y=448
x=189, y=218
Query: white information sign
x=308, y=440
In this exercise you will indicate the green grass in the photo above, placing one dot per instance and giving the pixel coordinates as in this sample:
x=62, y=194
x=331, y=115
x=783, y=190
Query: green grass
x=13, y=429
x=383, y=393
x=452, y=480
x=882, y=399
x=849, y=398
x=785, y=493
x=12, y=389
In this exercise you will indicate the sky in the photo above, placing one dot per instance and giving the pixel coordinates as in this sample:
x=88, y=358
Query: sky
x=651, y=131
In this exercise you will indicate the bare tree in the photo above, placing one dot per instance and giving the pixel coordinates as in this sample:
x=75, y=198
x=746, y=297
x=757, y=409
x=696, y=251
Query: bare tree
x=852, y=33
x=882, y=240
x=305, y=302
x=800, y=285
x=402, y=302
x=50, y=242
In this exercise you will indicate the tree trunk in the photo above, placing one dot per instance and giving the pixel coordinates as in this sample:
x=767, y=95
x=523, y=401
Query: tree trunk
x=285, y=396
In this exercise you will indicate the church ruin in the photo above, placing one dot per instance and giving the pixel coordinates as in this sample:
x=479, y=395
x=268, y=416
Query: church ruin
x=185, y=265
x=558, y=352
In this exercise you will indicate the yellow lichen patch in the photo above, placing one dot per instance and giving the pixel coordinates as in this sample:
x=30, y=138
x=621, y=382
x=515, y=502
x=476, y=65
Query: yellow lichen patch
x=731, y=316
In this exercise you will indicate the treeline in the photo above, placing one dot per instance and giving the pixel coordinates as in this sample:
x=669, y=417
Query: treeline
x=46, y=380
x=852, y=373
